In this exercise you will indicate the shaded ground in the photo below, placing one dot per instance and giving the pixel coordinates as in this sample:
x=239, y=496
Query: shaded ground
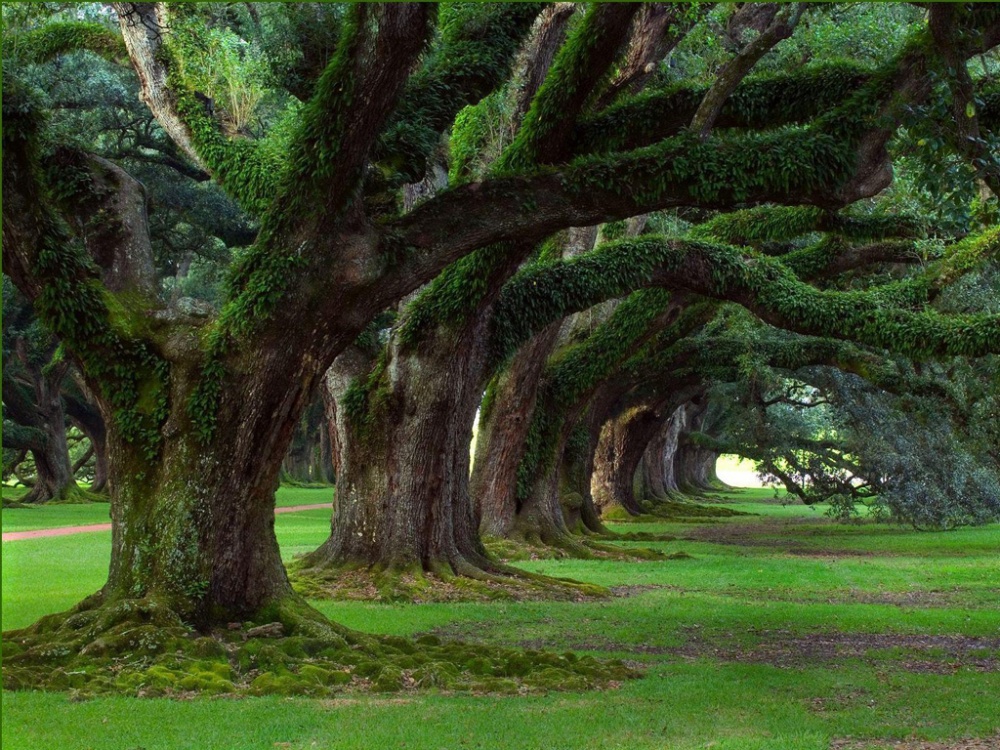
x=935, y=654
x=13, y=536
x=989, y=743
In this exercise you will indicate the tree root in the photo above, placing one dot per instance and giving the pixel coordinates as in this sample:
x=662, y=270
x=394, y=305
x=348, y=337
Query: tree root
x=572, y=546
x=140, y=647
x=71, y=494
x=444, y=582
x=674, y=511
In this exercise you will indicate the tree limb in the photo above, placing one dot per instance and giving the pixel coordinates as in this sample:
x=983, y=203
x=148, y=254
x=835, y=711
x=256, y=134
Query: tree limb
x=734, y=71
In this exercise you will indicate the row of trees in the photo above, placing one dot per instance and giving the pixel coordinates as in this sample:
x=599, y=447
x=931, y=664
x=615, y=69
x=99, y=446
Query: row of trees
x=580, y=223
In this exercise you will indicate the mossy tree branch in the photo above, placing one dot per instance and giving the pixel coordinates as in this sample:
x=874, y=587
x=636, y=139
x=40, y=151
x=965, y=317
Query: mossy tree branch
x=52, y=40
x=473, y=57
x=545, y=292
x=103, y=329
x=580, y=65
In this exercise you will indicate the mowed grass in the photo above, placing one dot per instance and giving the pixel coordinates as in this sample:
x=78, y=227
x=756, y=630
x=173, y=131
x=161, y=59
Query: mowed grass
x=728, y=640
x=55, y=516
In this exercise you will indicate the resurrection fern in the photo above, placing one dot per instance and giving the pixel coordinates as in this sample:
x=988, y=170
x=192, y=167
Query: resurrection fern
x=761, y=101
x=473, y=57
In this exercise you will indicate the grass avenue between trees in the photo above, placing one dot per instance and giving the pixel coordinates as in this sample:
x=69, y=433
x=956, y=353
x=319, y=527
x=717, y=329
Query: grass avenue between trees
x=783, y=630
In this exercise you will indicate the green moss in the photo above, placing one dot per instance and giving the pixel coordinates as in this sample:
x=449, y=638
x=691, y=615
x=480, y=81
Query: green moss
x=311, y=672
x=437, y=674
x=761, y=101
x=556, y=679
x=569, y=81
x=472, y=57
x=390, y=679
x=271, y=683
x=754, y=226
x=73, y=303
x=48, y=42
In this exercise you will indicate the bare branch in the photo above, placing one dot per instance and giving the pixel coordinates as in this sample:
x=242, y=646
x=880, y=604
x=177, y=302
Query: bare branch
x=779, y=29
x=656, y=31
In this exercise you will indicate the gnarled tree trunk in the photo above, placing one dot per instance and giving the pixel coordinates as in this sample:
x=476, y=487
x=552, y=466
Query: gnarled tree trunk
x=623, y=443
x=402, y=498
x=504, y=422
x=657, y=468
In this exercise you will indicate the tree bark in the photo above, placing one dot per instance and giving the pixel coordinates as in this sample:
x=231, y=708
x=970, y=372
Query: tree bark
x=694, y=465
x=623, y=443
x=53, y=470
x=659, y=481
x=504, y=422
x=402, y=498
x=34, y=401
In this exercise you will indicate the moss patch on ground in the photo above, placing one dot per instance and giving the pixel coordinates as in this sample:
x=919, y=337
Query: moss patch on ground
x=678, y=511
x=140, y=648
x=353, y=583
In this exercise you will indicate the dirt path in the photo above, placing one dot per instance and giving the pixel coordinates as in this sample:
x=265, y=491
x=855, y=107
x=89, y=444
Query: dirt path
x=13, y=536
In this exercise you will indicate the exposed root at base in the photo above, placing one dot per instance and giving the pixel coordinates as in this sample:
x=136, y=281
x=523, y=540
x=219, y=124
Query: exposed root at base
x=71, y=495
x=415, y=585
x=573, y=547
x=141, y=648
x=674, y=511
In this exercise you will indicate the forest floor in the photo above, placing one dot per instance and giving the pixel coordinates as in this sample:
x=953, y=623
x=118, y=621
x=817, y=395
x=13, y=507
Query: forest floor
x=783, y=631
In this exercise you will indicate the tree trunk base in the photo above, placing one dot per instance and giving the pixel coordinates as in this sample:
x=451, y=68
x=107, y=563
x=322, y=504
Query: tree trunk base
x=142, y=648
x=680, y=509
x=71, y=494
x=529, y=545
x=442, y=582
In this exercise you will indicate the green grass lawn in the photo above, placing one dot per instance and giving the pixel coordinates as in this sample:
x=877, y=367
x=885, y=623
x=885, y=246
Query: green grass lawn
x=784, y=631
x=54, y=516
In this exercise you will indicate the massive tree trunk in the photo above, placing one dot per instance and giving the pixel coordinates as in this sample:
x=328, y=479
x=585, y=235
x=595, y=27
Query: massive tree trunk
x=576, y=470
x=624, y=440
x=504, y=422
x=557, y=473
x=402, y=498
x=659, y=481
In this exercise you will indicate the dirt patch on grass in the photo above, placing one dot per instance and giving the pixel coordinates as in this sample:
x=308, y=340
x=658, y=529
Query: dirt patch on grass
x=975, y=743
x=773, y=534
x=929, y=599
x=639, y=588
x=594, y=644
x=936, y=654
